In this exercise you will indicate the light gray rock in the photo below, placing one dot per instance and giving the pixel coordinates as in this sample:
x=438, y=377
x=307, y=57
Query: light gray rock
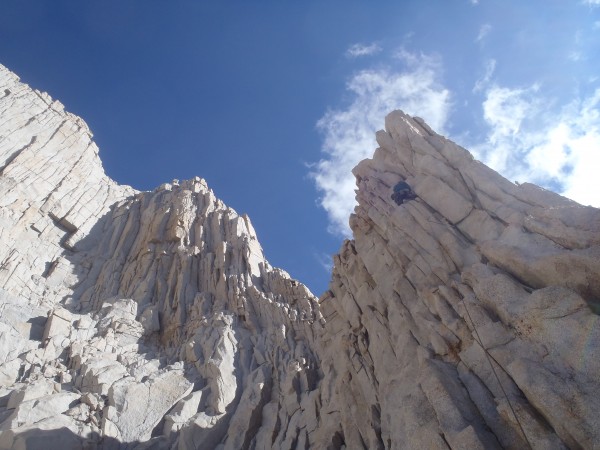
x=464, y=318
x=59, y=432
x=130, y=302
x=37, y=409
x=141, y=406
x=183, y=411
x=490, y=286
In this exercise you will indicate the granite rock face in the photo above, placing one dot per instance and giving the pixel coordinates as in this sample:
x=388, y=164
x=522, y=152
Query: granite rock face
x=466, y=314
x=461, y=318
x=129, y=319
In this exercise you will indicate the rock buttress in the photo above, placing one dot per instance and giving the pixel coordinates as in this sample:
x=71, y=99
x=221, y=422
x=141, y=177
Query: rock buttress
x=463, y=318
x=136, y=319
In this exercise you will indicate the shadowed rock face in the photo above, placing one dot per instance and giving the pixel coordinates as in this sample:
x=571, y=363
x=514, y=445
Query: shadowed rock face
x=461, y=318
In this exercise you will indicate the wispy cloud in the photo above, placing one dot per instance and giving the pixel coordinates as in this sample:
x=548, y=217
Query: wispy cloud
x=483, y=82
x=349, y=132
x=505, y=110
x=484, y=30
x=529, y=142
x=591, y=2
x=474, y=2
x=577, y=53
x=324, y=260
x=356, y=50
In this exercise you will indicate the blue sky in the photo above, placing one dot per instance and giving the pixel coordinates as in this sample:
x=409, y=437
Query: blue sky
x=273, y=102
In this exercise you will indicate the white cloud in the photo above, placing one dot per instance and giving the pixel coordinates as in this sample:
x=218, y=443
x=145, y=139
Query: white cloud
x=325, y=260
x=504, y=110
x=357, y=50
x=484, y=30
x=349, y=133
x=475, y=2
x=529, y=140
x=583, y=145
x=591, y=2
x=490, y=67
x=577, y=53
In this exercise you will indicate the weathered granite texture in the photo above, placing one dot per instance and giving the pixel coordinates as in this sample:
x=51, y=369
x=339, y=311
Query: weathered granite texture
x=462, y=318
x=128, y=317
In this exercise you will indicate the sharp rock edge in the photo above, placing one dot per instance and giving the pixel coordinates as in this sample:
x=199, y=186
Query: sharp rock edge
x=463, y=318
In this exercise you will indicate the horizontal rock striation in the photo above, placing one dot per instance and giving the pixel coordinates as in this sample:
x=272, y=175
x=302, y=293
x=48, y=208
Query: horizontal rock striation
x=463, y=314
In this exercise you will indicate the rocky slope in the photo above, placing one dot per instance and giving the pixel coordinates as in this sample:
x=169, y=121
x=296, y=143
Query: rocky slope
x=465, y=315
x=127, y=316
x=462, y=318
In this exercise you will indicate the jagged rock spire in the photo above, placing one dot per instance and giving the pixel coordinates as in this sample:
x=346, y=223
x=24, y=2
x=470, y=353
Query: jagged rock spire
x=466, y=313
x=139, y=314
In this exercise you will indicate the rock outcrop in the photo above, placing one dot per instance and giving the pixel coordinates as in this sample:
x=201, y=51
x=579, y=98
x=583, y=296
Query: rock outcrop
x=466, y=315
x=129, y=317
x=463, y=317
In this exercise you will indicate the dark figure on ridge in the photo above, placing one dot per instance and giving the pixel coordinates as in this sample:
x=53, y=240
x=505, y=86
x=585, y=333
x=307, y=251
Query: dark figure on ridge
x=402, y=192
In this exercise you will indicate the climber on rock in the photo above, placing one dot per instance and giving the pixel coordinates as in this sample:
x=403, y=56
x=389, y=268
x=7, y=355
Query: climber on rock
x=402, y=192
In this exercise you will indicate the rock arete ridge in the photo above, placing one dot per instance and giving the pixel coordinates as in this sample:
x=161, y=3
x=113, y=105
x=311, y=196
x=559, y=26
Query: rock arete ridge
x=462, y=318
